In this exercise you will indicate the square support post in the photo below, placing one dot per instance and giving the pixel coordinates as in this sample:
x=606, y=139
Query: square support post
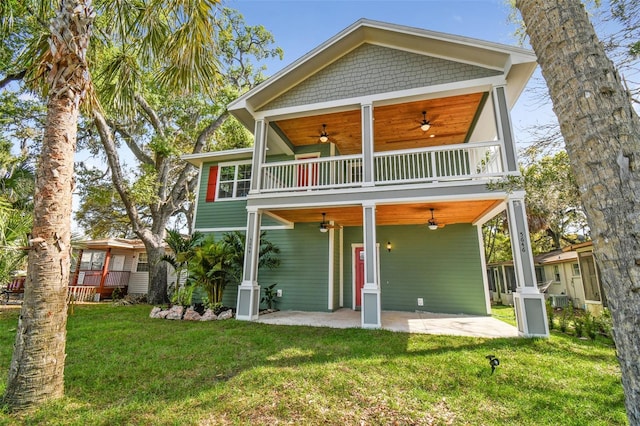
x=259, y=154
x=528, y=302
x=249, y=291
x=371, y=310
x=367, y=145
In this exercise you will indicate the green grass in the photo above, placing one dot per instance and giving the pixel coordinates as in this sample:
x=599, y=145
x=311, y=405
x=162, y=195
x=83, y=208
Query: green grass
x=124, y=368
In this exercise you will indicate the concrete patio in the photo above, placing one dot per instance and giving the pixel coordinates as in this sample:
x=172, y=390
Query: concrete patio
x=407, y=322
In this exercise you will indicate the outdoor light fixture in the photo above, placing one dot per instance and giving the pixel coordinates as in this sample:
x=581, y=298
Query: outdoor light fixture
x=324, y=226
x=324, y=136
x=425, y=125
x=389, y=246
x=433, y=225
x=493, y=362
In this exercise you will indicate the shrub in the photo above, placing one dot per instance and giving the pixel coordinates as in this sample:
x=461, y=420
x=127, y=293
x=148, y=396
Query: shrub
x=590, y=325
x=578, y=326
x=269, y=297
x=550, y=314
x=566, y=317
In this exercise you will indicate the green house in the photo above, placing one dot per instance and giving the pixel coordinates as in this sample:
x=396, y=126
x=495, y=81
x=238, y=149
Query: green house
x=369, y=169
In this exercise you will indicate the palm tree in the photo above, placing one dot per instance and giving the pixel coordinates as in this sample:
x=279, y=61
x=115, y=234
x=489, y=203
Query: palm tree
x=209, y=268
x=37, y=366
x=268, y=256
x=54, y=39
x=183, y=250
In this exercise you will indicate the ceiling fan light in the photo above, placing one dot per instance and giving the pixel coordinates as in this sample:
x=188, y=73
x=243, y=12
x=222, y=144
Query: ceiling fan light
x=323, y=228
x=433, y=225
x=324, y=136
x=425, y=125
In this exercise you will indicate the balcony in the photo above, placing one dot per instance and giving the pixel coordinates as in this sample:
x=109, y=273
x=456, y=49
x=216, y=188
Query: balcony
x=441, y=164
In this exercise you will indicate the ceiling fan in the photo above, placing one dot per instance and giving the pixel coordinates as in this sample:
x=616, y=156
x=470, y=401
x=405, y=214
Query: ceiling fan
x=323, y=136
x=424, y=125
x=324, y=225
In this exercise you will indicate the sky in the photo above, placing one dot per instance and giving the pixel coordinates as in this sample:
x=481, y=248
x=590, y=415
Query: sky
x=299, y=26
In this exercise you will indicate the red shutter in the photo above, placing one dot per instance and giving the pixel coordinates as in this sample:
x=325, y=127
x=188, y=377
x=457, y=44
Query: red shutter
x=211, y=185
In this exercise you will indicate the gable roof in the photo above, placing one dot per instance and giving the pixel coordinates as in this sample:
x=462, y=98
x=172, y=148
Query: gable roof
x=516, y=63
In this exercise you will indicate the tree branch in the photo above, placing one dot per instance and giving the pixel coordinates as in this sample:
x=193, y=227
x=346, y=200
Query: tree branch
x=106, y=136
x=133, y=146
x=12, y=77
x=151, y=115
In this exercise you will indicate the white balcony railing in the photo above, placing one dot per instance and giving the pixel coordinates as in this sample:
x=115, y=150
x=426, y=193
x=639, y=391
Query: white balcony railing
x=435, y=164
x=453, y=162
x=313, y=173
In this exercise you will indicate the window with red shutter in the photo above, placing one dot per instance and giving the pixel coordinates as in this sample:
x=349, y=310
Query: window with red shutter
x=211, y=184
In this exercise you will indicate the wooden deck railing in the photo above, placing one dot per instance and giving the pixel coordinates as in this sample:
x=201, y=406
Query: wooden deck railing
x=112, y=280
x=434, y=164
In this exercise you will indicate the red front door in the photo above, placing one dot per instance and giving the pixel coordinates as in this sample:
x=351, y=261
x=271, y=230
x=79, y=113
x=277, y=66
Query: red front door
x=307, y=173
x=359, y=274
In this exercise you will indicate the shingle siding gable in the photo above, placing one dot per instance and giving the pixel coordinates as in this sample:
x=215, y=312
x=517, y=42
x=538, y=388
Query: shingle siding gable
x=372, y=69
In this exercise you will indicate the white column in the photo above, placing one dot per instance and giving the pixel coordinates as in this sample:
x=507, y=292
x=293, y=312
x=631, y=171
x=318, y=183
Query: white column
x=367, y=145
x=528, y=302
x=249, y=291
x=331, y=269
x=371, y=310
x=503, y=126
x=259, y=152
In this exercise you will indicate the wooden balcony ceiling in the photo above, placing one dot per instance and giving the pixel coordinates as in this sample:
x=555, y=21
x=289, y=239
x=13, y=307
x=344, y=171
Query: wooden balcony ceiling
x=396, y=126
x=395, y=214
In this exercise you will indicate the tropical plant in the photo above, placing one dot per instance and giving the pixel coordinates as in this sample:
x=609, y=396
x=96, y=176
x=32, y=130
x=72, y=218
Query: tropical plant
x=209, y=268
x=183, y=295
x=269, y=296
x=267, y=258
x=182, y=251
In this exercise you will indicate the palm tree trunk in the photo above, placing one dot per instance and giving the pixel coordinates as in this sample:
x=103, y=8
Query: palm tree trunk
x=36, y=373
x=602, y=136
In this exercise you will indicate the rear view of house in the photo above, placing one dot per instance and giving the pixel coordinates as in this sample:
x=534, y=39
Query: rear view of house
x=370, y=170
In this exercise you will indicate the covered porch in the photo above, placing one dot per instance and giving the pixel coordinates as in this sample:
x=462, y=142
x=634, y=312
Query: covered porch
x=405, y=322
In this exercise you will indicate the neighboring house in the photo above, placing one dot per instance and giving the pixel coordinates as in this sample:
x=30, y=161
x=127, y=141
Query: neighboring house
x=111, y=263
x=566, y=276
x=592, y=295
x=373, y=139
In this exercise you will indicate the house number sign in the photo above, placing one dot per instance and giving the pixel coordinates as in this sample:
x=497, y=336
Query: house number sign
x=523, y=247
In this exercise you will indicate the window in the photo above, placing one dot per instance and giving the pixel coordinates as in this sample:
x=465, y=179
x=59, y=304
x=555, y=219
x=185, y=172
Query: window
x=540, y=274
x=92, y=260
x=143, y=262
x=556, y=273
x=234, y=180
x=575, y=269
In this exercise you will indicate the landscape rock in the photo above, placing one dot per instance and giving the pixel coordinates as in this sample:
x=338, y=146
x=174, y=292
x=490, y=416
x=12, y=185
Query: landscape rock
x=154, y=312
x=208, y=315
x=225, y=315
x=191, y=315
x=162, y=314
x=175, y=313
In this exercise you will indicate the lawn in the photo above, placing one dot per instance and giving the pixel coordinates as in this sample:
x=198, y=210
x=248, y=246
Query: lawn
x=124, y=368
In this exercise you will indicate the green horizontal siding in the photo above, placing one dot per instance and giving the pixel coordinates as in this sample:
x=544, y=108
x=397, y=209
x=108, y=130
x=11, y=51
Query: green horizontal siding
x=221, y=214
x=303, y=273
x=442, y=267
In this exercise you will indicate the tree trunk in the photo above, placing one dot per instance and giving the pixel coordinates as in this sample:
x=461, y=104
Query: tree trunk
x=157, y=290
x=602, y=136
x=36, y=373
